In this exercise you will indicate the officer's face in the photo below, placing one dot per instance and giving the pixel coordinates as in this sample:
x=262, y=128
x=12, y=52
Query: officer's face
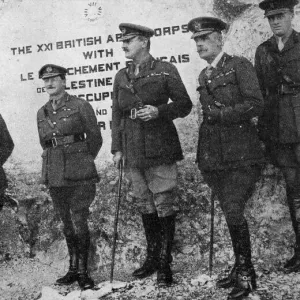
x=281, y=23
x=209, y=46
x=54, y=85
x=133, y=47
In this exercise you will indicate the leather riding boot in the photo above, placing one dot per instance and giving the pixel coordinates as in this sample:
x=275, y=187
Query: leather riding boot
x=84, y=280
x=71, y=275
x=229, y=281
x=164, y=274
x=293, y=264
x=153, y=236
x=245, y=280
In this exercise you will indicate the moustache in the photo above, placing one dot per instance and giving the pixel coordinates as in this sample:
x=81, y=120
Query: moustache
x=125, y=49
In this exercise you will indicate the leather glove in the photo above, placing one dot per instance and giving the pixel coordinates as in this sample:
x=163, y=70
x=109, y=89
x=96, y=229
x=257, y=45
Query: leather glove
x=117, y=158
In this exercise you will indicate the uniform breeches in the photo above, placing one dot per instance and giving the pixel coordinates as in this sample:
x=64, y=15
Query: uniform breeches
x=233, y=188
x=153, y=187
x=72, y=205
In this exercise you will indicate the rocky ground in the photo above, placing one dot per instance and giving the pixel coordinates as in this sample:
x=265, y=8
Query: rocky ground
x=33, y=253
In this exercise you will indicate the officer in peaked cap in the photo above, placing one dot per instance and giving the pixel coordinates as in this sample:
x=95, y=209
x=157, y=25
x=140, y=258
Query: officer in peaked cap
x=205, y=25
x=277, y=63
x=143, y=133
x=130, y=31
x=229, y=155
x=275, y=7
x=49, y=70
x=71, y=140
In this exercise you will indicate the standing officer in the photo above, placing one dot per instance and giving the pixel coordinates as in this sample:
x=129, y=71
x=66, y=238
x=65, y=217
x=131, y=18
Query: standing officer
x=277, y=63
x=229, y=153
x=6, y=148
x=71, y=140
x=144, y=134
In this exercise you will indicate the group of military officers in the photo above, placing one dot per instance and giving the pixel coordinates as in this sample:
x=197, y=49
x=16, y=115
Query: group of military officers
x=232, y=147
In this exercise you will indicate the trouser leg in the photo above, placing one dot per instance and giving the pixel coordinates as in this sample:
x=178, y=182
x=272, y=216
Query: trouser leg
x=292, y=177
x=61, y=204
x=234, y=187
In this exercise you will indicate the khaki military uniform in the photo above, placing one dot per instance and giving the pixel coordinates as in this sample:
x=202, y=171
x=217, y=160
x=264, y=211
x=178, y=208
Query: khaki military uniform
x=229, y=152
x=149, y=145
x=71, y=140
x=279, y=127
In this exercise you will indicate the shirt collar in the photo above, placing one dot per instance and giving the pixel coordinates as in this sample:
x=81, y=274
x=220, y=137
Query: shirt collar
x=217, y=59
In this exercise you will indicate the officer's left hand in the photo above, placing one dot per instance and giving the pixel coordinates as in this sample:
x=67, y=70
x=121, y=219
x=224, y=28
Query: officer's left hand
x=147, y=113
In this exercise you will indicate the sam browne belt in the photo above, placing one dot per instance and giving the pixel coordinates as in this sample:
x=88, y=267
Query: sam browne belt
x=64, y=140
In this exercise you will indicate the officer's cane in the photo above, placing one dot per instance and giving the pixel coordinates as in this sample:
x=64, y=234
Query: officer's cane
x=211, y=246
x=118, y=198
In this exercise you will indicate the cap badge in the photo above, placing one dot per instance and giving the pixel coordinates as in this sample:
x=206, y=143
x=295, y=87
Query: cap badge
x=123, y=30
x=197, y=26
x=49, y=69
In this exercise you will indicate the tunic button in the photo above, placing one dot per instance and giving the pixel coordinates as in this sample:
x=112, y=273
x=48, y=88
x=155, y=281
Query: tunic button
x=54, y=112
x=54, y=123
x=65, y=119
x=209, y=81
x=54, y=133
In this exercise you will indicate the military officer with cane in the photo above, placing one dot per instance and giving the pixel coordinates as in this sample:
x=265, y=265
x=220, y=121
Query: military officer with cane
x=144, y=135
x=229, y=154
x=277, y=63
x=71, y=140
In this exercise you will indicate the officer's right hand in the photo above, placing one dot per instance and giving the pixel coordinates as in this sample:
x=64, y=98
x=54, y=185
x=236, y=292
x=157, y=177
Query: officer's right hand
x=117, y=158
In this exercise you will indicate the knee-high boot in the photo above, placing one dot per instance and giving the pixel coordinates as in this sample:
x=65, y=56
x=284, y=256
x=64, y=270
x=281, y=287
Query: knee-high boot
x=164, y=274
x=229, y=281
x=293, y=265
x=152, y=228
x=71, y=275
x=84, y=280
x=245, y=280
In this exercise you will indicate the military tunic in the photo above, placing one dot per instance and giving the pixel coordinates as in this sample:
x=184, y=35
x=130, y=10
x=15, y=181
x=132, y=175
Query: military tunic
x=70, y=164
x=278, y=73
x=230, y=98
x=156, y=142
x=229, y=151
x=6, y=148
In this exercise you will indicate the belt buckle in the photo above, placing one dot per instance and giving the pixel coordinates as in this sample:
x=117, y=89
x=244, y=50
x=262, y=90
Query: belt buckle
x=133, y=114
x=54, y=142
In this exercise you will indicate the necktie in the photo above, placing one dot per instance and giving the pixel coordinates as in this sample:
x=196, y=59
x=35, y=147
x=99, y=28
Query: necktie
x=280, y=44
x=209, y=70
x=137, y=69
x=54, y=104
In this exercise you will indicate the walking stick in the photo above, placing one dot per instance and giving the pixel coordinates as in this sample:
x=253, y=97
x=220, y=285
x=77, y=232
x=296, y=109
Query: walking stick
x=118, y=198
x=211, y=246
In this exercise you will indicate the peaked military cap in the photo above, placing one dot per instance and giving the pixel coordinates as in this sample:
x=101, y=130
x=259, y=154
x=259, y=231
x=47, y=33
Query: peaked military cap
x=204, y=25
x=51, y=70
x=274, y=7
x=130, y=31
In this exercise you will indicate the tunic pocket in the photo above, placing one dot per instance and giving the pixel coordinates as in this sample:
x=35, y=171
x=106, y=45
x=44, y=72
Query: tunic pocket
x=153, y=140
x=79, y=163
x=240, y=143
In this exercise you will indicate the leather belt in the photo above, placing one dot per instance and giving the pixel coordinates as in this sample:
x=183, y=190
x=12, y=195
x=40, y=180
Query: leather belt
x=64, y=140
x=131, y=114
